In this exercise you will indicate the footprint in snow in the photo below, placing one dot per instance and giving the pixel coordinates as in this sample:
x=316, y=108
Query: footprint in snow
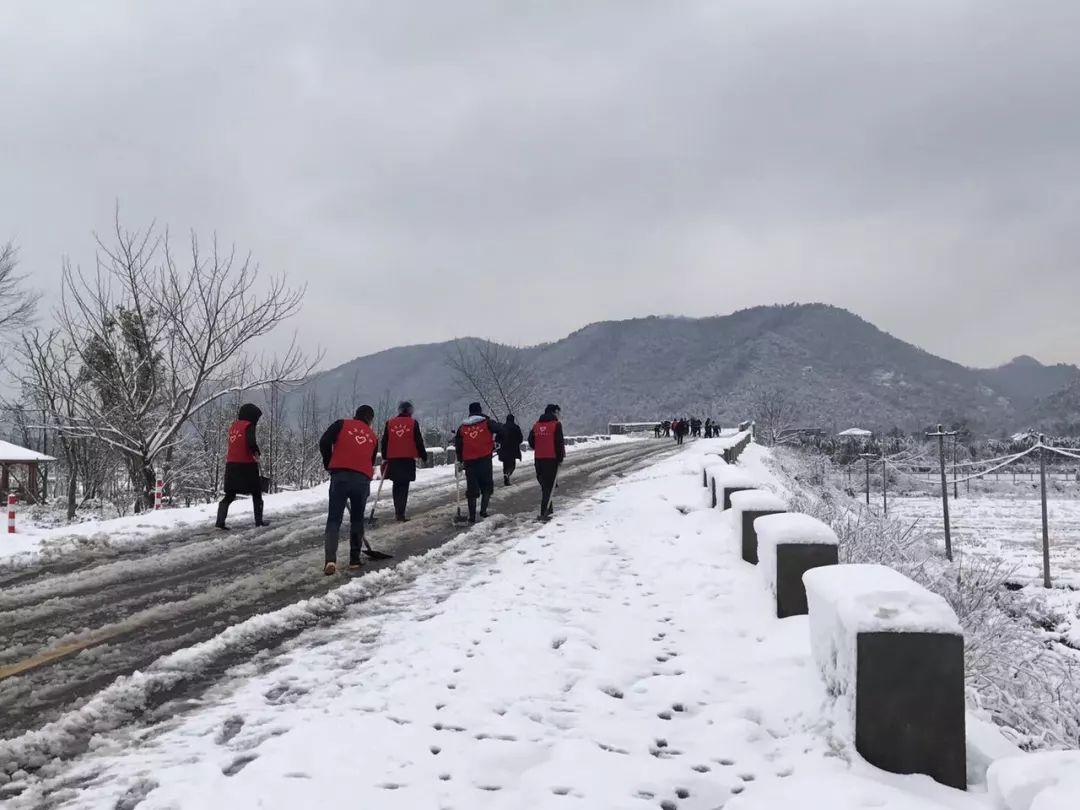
x=229, y=729
x=238, y=764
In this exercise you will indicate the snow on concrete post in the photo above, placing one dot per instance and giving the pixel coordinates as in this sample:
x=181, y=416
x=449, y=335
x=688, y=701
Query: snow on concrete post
x=789, y=545
x=748, y=506
x=11, y=500
x=159, y=489
x=728, y=480
x=711, y=471
x=892, y=653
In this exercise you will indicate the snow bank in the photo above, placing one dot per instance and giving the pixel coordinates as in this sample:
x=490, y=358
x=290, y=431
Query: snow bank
x=788, y=528
x=1045, y=781
x=846, y=600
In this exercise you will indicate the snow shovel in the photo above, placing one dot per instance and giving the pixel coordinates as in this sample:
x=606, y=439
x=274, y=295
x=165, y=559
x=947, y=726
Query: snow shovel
x=554, y=486
x=458, y=518
x=371, y=521
x=367, y=549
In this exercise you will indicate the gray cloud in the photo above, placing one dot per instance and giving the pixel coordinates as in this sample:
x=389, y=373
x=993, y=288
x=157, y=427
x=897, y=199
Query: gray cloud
x=517, y=170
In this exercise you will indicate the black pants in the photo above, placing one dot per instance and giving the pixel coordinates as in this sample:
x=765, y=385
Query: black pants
x=479, y=483
x=352, y=488
x=401, y=497
x=509, y=465
x=226, y=502
x=547, y=469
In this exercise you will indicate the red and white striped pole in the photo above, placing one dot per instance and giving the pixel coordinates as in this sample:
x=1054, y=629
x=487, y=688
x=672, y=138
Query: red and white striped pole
x=159, y=489
x=11, y=500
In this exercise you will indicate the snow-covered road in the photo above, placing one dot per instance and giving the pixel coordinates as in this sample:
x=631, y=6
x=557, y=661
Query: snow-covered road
x=68, y=634
x=621, y=657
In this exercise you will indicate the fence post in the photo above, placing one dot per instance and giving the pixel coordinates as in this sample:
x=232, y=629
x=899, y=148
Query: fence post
x=1045, y=521
x=159, y=489
x=11, y=500
x=884, y=487
x=941, y=434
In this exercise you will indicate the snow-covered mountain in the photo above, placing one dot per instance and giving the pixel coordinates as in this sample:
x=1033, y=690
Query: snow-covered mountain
x=839, y=368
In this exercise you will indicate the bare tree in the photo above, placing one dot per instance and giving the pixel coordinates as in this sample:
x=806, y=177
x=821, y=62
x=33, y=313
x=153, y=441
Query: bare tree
x=17, y=303
x=45, y=367
x=155, y=343
x=501, y=377
x=775, y=415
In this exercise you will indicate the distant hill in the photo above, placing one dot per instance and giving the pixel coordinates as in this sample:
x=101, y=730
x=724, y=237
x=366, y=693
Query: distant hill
x=1026, y=381
x=842, y=370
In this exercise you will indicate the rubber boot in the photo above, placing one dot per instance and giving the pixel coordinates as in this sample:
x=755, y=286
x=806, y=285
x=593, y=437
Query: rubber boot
x=472, y=510
x=258, y=507
x=222, y=513
x=485, y=499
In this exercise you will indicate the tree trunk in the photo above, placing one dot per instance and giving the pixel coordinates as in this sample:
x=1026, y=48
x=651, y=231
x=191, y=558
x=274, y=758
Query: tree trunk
x=72, y=489
x=149, y=482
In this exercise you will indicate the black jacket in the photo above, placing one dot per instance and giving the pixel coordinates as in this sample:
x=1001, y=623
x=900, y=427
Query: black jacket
x=510, y=440
x=403, y=469
x=560, y=442
x=242, y=478
x=329, y=437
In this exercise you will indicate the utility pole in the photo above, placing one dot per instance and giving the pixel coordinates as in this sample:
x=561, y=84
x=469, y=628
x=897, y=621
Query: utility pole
x=866, y=458
x=941, y=434
x=1045, y=521
x=884, y=487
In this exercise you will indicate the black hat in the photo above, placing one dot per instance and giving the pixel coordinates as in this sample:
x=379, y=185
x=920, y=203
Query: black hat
x=365, y=413
x=405, y=408
x=475, y=409
x=552, y=408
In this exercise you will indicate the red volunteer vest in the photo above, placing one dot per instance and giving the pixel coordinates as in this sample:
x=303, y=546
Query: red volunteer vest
x=239, y=452
x=354, y=448
x=476, y=441
x=401, y=437
x=544, y=439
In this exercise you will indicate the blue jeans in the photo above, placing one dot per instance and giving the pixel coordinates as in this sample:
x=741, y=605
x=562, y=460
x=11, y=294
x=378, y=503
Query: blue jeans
x=352, y=488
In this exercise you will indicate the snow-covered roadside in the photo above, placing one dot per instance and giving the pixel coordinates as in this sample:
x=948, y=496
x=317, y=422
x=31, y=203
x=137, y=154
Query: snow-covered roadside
x=33, y=543
x=621, y=657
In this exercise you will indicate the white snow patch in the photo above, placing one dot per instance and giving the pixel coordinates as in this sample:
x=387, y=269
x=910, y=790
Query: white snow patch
x=1049, y=780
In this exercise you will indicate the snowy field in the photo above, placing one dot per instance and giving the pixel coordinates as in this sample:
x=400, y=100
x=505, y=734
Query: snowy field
x=1004, y=528
x=623, y=656
x=35, y=543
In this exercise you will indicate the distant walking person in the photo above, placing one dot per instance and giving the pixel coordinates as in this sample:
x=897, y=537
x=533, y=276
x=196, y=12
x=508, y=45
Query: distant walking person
x=242, y=465
x=348, y=449
x=510, y=447
x=667, y=428
x=475, y=444
x=402, y=445
x=546, y=439
x=658, y=430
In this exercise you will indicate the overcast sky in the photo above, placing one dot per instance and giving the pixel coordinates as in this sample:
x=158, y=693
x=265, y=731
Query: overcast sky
x=519, y=169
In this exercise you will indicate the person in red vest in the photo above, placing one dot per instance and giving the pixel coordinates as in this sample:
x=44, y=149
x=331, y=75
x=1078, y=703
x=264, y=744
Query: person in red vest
x=402, y=445
x=348, y=449
x=549, y=450
x=242, y=465
x=475, y=444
